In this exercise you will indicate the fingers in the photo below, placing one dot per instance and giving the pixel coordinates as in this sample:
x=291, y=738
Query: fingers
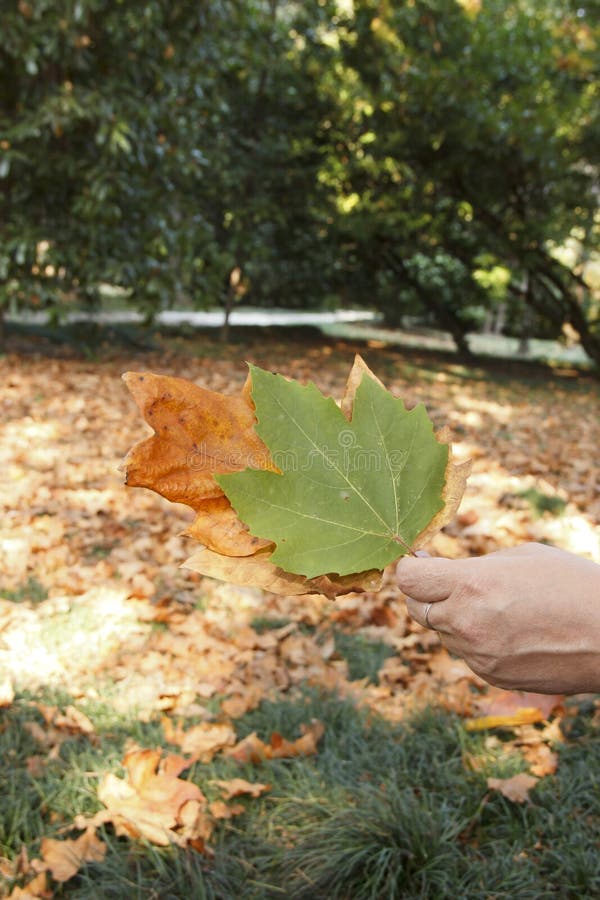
x=427, y=580
x=421, y=612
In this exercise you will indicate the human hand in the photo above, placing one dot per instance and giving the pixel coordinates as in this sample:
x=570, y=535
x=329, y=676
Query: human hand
x=527, y=618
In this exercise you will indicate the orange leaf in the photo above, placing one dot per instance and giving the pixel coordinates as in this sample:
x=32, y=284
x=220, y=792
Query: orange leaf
x=253, y=749
x=201, y=741
x=197, y=434
x=35, y=889
x=153, y=805
x=542, y=760
x=238, y=786
x=250, y=749
x=498, y=702
x=516, y=788
x=221, y=810
x=259, y=571
x=499, y=708
x=303, y=746
x=449, y=670
x=65, y=858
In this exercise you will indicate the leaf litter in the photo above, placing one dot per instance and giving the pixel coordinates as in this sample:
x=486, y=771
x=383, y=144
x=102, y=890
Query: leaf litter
x=92, y=591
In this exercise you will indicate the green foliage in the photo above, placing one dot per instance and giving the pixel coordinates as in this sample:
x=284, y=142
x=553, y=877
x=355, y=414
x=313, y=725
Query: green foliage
x=386, y=154
x=149, y=146
x=466, y=139
x=351, y=496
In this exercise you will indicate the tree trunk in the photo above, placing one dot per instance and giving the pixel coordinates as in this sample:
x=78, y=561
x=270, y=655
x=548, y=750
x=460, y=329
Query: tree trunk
x=449, y=322
x=225, y=332
x=523, y=346
x=444, y=316
x=575, y=316
x=500, y=318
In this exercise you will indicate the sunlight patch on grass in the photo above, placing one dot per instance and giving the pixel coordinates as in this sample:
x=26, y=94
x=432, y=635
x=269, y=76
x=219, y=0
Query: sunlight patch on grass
x=64, y=640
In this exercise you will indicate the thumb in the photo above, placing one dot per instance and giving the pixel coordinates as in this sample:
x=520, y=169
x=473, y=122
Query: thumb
x=427, y=580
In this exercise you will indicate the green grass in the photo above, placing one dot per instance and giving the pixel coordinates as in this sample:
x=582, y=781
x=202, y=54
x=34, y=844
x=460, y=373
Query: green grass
x=543, y=503
x=364, y=656
x=382, y=811
x=32, y=591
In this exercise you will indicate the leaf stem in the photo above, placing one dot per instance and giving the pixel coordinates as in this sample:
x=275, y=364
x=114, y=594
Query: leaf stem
x=399, y=540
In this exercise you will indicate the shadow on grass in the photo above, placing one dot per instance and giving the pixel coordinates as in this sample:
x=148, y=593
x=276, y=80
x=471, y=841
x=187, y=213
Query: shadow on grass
x=382, y=811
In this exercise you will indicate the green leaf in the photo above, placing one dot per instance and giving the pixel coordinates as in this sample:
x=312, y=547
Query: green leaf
x=352, y=495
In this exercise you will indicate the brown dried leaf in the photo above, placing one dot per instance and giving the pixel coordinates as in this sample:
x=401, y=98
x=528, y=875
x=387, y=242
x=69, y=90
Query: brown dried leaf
x=65, y=858
x=252, y=749
x=202, y=741
x=36, y=889
x=197, y=434
x=542, y=760
x=450, y=670
x=516, y=788
x=236, y=787
x=259, y=571
x=150, y=803
x=499, y=708
x=221, y=810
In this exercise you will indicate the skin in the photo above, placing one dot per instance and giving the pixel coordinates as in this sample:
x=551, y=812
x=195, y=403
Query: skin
x=527, y=618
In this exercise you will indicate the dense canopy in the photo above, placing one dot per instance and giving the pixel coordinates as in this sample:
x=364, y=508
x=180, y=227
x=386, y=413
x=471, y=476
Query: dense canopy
x=428, y=158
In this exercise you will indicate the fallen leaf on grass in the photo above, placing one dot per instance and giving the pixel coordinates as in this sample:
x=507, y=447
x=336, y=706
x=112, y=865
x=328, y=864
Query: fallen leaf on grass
x=65, y=858
x=529, y=715
x=542, y=760
x=449, y=670
x=60, y=727
x=152, y=803
x=200, y=741
x=236, y=787
x=72, y=720
x=254, y=750
x=221, y=810
x=516, y=788
x=36, y=889
x=498, y=702
x=506, y=709
x=239, y=703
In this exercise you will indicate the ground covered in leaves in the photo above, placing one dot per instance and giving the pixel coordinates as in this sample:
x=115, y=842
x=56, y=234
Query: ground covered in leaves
x=166, y=735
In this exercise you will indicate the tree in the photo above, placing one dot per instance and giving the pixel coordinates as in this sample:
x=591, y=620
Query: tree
x=167, y=148
x=472, y=139
x=398, y=155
